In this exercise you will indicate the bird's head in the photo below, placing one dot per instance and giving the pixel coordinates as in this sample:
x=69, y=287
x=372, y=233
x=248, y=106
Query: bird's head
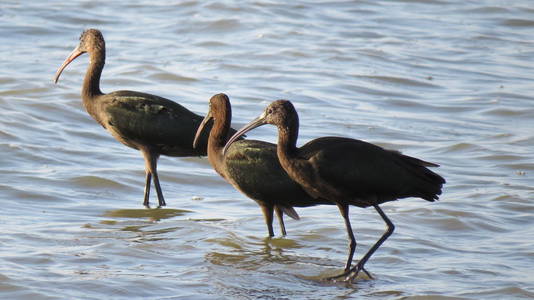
x=219, y=107
x=91, y=41
x=280, y=113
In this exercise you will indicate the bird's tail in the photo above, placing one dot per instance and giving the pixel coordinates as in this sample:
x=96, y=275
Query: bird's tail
x=430, y=183
x=290, y=211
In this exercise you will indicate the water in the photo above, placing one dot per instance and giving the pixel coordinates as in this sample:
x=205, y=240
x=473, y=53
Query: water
x=447, y=81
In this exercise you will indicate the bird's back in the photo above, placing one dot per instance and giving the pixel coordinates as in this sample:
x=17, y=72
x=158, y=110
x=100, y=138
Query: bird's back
x=136, y=118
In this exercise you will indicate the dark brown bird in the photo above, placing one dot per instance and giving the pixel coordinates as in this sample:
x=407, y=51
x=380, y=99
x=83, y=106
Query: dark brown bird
x=252, y=167
x=151, y=124
x=347, y=172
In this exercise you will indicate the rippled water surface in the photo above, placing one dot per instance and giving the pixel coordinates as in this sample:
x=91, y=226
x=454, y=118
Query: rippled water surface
x=447, y=81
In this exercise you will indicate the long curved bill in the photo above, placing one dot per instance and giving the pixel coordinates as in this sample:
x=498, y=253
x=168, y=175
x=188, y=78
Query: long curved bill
x=200, y=129
x=75, y=53
x=259, y=121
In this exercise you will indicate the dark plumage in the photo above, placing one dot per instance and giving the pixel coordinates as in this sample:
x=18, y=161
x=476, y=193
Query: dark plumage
x=347, y=172
x=252, y=167
x=151, y=124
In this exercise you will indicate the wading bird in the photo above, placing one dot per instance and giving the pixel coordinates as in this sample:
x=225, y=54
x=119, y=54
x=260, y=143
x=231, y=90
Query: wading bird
x=151, y=124
x=252, y=167
x=348, y=172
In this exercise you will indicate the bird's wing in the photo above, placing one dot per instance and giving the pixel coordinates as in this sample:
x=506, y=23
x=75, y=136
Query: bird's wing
x=357, y=168
x=152, y=120
x=254, y=168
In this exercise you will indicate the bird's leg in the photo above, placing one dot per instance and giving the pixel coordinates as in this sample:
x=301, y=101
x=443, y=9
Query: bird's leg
x=344, y=210
x=147, y=189
x=280, y=215
x=161, y=200
x=382, y=239
x=268, y=214
x=151, y=166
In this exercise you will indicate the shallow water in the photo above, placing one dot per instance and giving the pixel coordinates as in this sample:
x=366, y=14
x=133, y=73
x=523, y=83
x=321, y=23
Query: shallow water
x=447, y=81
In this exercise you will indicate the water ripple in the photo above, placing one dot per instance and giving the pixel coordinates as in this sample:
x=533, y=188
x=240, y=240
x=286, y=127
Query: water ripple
x=445, y=81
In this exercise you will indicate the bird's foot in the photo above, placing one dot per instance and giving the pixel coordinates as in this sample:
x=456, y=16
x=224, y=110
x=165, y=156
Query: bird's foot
x=349, y=275
x=337, y=278
x=353, y=273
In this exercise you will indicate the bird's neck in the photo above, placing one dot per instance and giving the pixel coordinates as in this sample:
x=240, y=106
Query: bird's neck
x=215, y=156
x=297, y=167
x=217, y=139
x=216, y=160
x=287, y=143
x=91, y=83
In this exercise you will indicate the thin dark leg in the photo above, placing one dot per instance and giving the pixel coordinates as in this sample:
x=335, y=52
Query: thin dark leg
x=147, y=188
x=344, y=210
x=280, y=215
x=161, y=200
x=268, y=214
x=384, y=237
x=151, y=165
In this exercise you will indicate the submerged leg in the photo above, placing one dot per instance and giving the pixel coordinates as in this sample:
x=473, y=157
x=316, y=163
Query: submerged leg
x=268, y=214
x=389, y=231
x=280, y=215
